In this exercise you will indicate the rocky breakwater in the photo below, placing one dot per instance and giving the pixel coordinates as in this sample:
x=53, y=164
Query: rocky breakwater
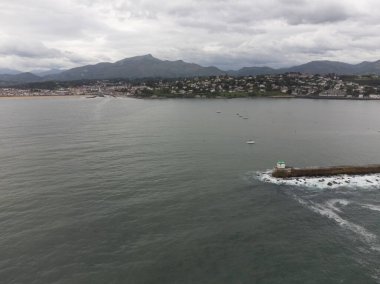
x=290, y=172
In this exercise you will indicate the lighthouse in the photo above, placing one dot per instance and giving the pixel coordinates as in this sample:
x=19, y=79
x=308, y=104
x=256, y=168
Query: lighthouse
x=280, y=165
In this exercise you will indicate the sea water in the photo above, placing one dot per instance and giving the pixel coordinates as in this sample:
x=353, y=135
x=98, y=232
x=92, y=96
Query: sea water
x=112, y=190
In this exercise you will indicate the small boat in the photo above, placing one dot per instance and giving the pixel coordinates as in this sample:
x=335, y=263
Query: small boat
x=250, y=142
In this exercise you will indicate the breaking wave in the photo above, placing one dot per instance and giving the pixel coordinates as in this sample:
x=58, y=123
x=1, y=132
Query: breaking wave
x=371, y=207
x=330, y=210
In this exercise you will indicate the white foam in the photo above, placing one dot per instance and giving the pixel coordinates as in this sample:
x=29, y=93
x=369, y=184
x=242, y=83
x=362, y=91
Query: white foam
x=333, y=204
x=363, y=181
x=333, y=208
x=371, y=207
x=328, y=212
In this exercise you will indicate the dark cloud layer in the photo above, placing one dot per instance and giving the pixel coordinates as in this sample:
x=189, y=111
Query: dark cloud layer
x=226, y=33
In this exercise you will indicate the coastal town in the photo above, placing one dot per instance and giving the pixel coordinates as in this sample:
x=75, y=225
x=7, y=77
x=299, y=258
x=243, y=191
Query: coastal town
x=289, y=85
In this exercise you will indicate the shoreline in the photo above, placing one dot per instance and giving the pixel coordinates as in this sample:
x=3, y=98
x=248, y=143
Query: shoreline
x=207, y=98
x=337, y=98
x=258, y=97
x=40, y=97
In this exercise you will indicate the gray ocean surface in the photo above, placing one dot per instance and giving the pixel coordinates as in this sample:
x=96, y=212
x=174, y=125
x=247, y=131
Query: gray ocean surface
x=113, y=190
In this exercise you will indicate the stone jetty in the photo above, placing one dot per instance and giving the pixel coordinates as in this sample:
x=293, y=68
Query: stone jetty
x=282, y=171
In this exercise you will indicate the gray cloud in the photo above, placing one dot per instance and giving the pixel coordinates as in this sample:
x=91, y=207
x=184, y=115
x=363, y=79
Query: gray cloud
x=28, y=49
x=225, y=33
x=297, y=12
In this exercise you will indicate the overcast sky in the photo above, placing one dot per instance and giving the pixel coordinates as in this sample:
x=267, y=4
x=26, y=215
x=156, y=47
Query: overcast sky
x=229, y=34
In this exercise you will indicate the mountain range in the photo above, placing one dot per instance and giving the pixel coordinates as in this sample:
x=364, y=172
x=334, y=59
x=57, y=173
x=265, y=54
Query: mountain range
x=318, y=67
x=147, y=66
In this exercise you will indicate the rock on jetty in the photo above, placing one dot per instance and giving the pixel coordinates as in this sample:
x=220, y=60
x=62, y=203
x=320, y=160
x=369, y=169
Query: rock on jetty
x=290, y=172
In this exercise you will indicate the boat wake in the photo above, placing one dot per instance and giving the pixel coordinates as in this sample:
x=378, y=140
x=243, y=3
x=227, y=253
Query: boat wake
x=363, y=181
